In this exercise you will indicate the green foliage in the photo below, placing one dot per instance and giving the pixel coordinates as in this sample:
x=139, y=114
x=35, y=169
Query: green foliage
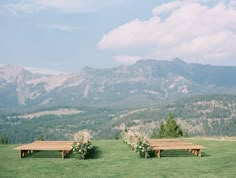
x=117, y=136
x=130, y=138
x=162, y=132
x=40, y=138
x=211, y=115
x=208, y=115
x=3, y=140
x=81, y=149
x=171, y=129
x=137, y=143
x=82, y=144
x=144, y=149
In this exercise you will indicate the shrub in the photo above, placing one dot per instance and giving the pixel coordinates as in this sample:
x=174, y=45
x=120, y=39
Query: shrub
x=144, y=149
x=137, y=143
x=116, y=136
x=130, y=138
x=82, y=144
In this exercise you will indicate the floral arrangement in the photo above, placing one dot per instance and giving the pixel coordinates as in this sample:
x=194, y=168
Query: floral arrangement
x=130, y=138
x=137, y=143
x=82, y=144
x=144, y=149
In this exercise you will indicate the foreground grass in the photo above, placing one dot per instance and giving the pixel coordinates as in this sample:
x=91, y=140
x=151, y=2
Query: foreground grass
x=115, y=159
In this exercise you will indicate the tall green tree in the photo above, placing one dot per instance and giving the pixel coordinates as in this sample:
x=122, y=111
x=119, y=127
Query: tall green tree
x=171, y=129
x=3, y=140
x=162, y=131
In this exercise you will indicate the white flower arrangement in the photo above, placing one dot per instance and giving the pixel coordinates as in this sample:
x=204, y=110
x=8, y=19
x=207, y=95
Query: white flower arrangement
x=138, y=143
x=82, y=143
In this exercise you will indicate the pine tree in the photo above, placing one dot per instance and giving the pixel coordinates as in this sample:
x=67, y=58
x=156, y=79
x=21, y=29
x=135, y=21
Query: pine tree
x=162, y=132
x=171, y=129
x=3, y=140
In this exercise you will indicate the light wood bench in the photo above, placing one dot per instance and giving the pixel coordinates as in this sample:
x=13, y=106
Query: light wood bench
x=173, y=144
x=63, y=146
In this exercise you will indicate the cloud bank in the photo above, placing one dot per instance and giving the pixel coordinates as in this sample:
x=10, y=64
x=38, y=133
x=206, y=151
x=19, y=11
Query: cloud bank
x=187, y=29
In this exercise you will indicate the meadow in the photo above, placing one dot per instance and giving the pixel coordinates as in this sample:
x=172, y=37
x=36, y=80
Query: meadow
x=113, y=158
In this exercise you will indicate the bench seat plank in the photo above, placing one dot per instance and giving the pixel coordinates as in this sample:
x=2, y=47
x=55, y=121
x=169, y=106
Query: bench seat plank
x=63, y=146
x=174, y=144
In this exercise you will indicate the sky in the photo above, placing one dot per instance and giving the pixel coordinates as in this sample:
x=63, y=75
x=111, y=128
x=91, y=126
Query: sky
x=67, y=35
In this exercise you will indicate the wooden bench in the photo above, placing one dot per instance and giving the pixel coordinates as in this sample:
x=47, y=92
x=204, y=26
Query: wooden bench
x=173, y=144
x=63, y=146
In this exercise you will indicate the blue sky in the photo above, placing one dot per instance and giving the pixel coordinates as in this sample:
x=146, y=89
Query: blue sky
x=67, y=35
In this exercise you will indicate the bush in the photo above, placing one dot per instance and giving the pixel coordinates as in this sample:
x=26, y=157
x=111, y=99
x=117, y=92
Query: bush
x=144, y=149
x=131, y=139
x=82, y=144
x=137, y=142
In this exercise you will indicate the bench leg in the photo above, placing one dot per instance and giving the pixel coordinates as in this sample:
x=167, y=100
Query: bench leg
x=20, y=154
x=23, y=153
x=65, y=152
x=158, y=153
x=199, y=153
x=62, y=154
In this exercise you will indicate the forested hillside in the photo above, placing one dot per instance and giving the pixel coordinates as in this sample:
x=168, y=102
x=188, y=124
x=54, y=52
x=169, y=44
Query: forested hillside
x=200, y=115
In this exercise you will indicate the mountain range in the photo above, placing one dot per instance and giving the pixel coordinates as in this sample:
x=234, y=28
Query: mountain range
x=146, y=82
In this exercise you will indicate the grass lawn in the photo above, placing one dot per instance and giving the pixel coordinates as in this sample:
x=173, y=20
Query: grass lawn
x=116, y=159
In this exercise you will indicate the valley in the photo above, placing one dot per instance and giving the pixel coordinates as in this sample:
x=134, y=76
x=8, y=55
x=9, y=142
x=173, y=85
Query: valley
x=106, y=101
x=205, y=115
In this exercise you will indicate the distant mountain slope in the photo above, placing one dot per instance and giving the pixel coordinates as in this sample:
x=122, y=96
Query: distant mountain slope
x=199, y=115
x=211, y=115
x=145, y=83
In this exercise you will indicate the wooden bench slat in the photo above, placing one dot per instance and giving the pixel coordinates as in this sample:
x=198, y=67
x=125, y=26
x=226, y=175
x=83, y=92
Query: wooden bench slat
x=63, y=146
x=174, y=144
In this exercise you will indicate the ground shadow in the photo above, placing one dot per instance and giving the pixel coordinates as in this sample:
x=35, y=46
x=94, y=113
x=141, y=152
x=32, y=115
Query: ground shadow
x=179, y=153
x=44, y=154
x=93, y=153
x=204, y=154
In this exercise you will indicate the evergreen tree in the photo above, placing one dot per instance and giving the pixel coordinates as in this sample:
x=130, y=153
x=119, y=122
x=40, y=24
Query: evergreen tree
x=3, y=140
x=171, y=129
x=162, y=132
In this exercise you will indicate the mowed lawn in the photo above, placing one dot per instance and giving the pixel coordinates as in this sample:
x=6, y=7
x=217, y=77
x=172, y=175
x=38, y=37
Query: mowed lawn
x=116, y=159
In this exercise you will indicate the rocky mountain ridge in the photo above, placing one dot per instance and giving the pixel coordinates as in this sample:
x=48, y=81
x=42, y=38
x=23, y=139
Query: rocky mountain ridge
x=144, y=83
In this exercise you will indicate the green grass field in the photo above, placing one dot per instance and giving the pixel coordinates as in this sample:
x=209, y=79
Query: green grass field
x=116, y=159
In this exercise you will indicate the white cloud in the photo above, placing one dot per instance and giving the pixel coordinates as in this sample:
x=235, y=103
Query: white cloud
x=64, y=6
x=126, y=59
x=127, y=35
x=233, y=4
x=60, y=27
x=185, y=29
x=168, y=7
